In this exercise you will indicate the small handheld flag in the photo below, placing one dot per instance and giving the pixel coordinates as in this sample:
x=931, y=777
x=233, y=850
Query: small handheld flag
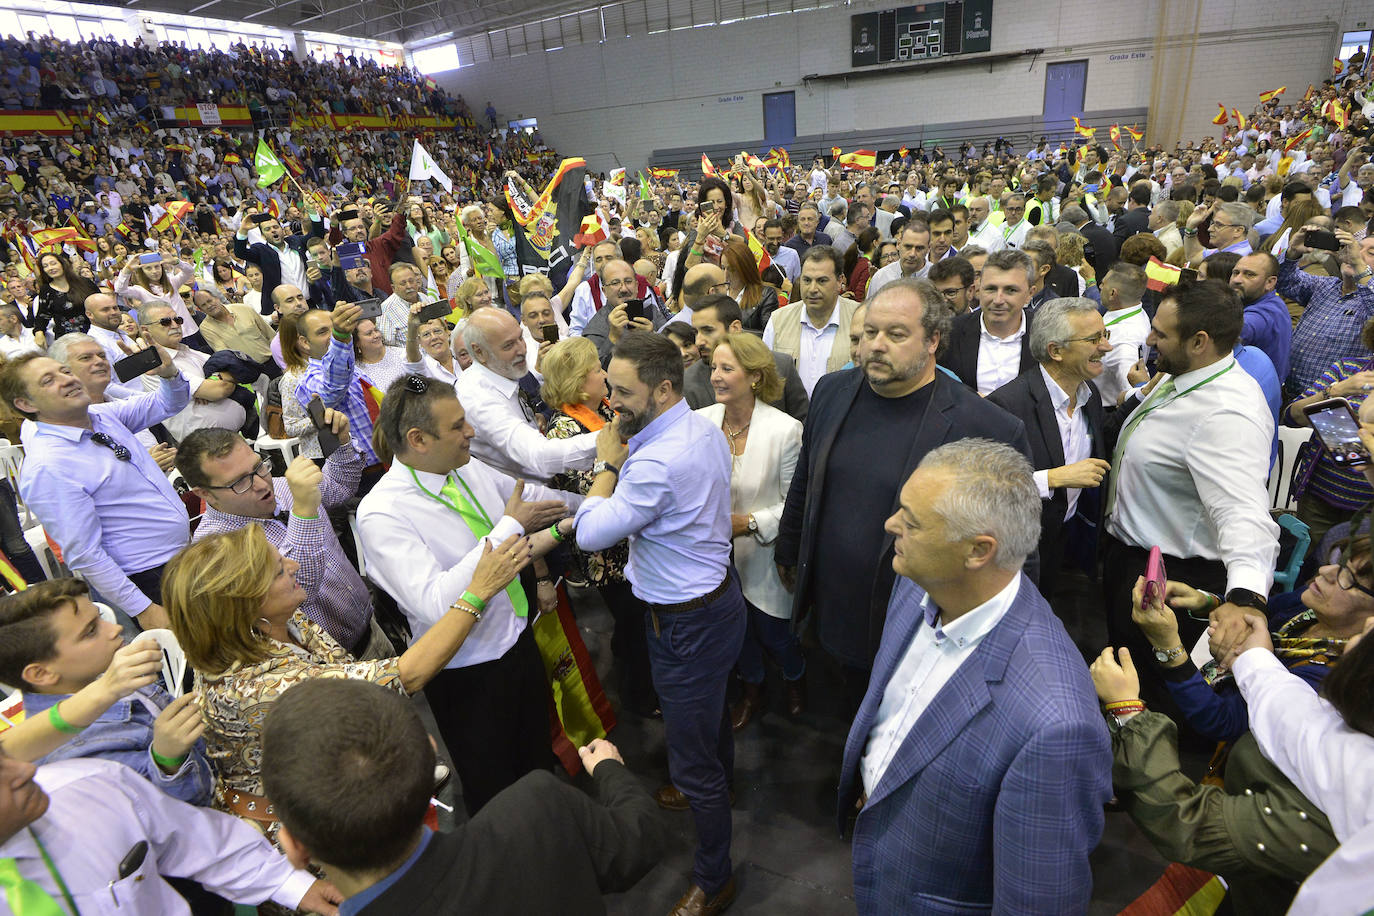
x=1222, y=117
x=267, y=165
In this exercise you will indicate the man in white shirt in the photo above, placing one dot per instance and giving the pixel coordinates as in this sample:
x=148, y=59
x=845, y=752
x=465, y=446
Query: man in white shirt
x=406, y=285
x=425, y=528
x=989, y=347
x=911, y=263
x=497, y=391
x=1128, y=325
x=1188, y=474
x=973, y=656
x=210, y=402
x=104, y=313
x=815, y=331
x=1015, y=225
x=785, y=258
x=14, y=337
x=983, y=230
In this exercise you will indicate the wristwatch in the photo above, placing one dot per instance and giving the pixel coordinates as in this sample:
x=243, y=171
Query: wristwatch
x=1246, y=598
x=1164, y=656
x=600, y=466
x=753, y=525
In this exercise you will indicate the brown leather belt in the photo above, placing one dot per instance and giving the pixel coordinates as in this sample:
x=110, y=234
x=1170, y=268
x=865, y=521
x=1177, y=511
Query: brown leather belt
x=689, y=605
x=247, y=805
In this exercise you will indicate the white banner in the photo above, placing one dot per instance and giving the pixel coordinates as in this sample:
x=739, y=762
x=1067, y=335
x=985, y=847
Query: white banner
x=209, y=113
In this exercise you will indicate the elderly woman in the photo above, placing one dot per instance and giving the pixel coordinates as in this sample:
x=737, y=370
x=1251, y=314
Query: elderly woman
x=575, y=386
x=436, y=341
x=234, y=605
x=764, y=445
x=380, y=364
x=473, y=294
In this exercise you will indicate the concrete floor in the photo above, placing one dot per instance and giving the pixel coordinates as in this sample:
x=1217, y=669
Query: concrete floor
x=788, y=855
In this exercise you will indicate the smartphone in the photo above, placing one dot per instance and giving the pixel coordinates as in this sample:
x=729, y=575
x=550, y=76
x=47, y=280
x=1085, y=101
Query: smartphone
x=706, y=206
x=634, y=308
x=1321, y=239
x=372, y=308
x=435, y=310
x=1155, y=577
x=1338, y=428
x=351, y=255
x=134, y=365
x=329, y=443
x=550, y=332
x=150, y=257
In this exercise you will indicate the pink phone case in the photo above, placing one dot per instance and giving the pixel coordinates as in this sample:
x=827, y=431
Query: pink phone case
x=1155, y=577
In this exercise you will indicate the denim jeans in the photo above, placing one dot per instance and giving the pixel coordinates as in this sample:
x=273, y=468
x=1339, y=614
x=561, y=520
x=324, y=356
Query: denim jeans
x=691, y=656
x=774, y=635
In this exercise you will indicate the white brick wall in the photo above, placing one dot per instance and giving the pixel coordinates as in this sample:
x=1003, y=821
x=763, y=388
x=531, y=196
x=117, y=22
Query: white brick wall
x=616, y=101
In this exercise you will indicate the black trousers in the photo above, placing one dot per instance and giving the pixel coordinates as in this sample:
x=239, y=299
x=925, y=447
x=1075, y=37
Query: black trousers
x=494, y=719
x=1121, y=565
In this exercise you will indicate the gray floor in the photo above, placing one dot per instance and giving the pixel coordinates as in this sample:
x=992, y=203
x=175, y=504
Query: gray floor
x=789, y=857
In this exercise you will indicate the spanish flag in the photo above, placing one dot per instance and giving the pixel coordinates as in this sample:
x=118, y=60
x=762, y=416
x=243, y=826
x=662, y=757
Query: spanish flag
x=1337, y=65
x=1115, y=133
x=1160, y=276
x=1273, y=93
x=1293, y=141
x=1222, y=117
x=863, y=159
x=834, y=152
x=102, y=118
x=754, y=162
x=758, y=251
x=1136, y=133
x=591, y=231
x=1311, y=91
x=232, y=158
x=1240, y=118
x=1082, y=131
x=663, y=173
x=1341, y=115
x=706, y=167
x=901, y=153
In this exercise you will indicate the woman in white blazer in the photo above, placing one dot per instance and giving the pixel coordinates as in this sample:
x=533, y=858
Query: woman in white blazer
x=764, y=445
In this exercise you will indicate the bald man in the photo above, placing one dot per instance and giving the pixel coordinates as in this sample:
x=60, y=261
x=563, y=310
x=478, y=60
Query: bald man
x=103, y=311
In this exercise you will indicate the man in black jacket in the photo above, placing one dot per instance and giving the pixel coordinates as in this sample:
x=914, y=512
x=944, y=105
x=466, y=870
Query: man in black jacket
x=1101, y=248
x=350, y=770
x=1136, y=217
x=1063, y=416
x=866, y=431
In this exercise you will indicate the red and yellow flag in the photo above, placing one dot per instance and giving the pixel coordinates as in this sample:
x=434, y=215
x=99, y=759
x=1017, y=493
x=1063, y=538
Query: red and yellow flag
x=663, y=173
x=1311, y=91
x=862, y=159
x=11, y=574
x=834, y=152
x=1082, y=131
x=591, y=232
x=752, y=161
x=102, y=118
x=1273, y=93
x=901, y=153
x=761, y=257
x=1222, y=117
x=1160, y=276
x=706, y=167
x=1337, y=65
x=1136, y=133
x=1115, y=133
x=1240, y=118
x=232, y=158
x=1293, y=141
x=1341, y=115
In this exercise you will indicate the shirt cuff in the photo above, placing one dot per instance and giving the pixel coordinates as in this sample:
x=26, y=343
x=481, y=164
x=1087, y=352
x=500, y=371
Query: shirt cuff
x=505, y=527
x=1251, y=665
x=293, y=889
x=1242, y=575
x=1042, y=483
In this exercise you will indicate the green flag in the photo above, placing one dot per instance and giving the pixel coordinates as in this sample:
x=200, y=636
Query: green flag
x=484, y=260
x=267, y=165
x=645, y=193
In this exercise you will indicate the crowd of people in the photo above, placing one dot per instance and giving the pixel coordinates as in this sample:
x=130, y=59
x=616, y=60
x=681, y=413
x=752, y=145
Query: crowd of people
x=880, y=421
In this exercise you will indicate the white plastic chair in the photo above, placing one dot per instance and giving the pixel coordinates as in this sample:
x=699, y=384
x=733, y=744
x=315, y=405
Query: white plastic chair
x=11, y=460
x=106, y=612
x=1291, y=439
x=37, y=540
x=288, y=447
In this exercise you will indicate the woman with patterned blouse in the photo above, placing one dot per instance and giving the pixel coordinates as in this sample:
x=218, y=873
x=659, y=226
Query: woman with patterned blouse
x=235, y=604
x=574, y=379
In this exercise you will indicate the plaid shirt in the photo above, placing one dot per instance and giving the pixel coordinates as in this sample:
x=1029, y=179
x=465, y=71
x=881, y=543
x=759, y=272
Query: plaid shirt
x=1329, y=329
x=338, y=599
x=335, y=379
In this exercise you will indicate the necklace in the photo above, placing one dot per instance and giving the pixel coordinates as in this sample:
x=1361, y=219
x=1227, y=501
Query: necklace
x=732, y=436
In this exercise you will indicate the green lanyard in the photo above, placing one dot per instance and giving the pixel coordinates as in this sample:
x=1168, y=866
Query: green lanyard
x=478, y=522
x=1131, y=314
x=1182, y=394
x=56, y=875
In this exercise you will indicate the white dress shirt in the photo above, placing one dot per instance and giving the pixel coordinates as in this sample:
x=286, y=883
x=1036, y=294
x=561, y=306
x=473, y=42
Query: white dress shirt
x=893, y=272
x=435, y=369
x=423, y=554
x=999, y=358
x=10, y=347
x=222, y=414
x=110, y=341
x=1129, y=327
x=935, y=654
x=507, y=439
x=1329, y=762
x=1073, y=436
x=816, y=344
x=1191, y=479
x=988, y=236
x=99, y=810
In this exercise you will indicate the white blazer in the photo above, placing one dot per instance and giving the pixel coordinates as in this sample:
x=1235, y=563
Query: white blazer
x=759, y=480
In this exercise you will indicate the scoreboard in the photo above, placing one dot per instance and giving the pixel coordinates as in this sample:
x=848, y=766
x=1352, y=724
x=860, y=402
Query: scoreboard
x=923, y=32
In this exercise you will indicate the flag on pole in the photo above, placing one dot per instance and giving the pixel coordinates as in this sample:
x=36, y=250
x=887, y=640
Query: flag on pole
x=834, y=152
x=423, y=166
x=102, y=118
x=1115, y=133
x=172, y=217
x=1082, y=131
x=1273, y=93
x=1136, y=133
x=706, y=167
x=901, y=153
x=752, y=161
x=267, y=165
x=591, y=232
x=232, y=158
x=862, y=159
x=1337, y=65
x=1240, y=118
x=1293, y=141
x=645, y=192
x=1311, y=91
x=1222, y=117
x=759, y=252
x=1160, y=276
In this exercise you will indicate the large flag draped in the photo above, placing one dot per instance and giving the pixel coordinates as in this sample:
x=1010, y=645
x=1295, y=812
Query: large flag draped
x=546, y=226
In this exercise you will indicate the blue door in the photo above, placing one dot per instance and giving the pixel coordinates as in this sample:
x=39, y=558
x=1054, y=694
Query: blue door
x=1064, y=87
x=779, y=118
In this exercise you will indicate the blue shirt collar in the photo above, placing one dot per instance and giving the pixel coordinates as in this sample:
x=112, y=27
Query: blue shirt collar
x=358, y=901
x=658, y=426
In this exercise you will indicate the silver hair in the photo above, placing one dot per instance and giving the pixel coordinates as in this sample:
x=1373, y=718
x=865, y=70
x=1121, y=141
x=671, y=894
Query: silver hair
x=838, y=210
x=1054, y=324
x=457, y=335
x=1168, y=210
x=146, y=307
x=993, y=493
x=469, y=210
x=61, y=345
x=1074, y=215
x=1239, y=214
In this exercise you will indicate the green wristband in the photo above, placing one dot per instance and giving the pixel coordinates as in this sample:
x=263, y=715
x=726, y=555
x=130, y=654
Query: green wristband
x=473, y=600
x=555, y=533
x=346, y=338
x=62, y=724
x=170, y=763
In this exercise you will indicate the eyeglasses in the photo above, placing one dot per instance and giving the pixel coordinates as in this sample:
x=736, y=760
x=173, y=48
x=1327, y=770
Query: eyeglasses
x=952, y=293
x=245, y=483
x=186, y=295
x=1345, y=577
x=1217, y=225
x=722, y=286
x=1094, y=339
x=168, y=322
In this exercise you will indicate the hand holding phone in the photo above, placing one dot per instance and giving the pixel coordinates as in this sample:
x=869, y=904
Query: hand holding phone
x=136, y=364
x=329, y=443
x=550, y=331
x=634, y=308
x=370, y=309
x=1338, y=429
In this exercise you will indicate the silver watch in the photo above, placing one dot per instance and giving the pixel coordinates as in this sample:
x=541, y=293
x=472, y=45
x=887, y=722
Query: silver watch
x=753, y=525
x=599, y=466
x=1164, y=656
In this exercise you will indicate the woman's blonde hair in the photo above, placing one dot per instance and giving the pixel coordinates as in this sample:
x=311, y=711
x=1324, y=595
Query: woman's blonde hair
x=463, y=298
x=213, y=593
x=1069, y=252
x=753, y=356
x=565, y=368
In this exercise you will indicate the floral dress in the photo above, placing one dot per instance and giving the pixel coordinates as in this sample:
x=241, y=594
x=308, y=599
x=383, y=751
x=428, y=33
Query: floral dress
x=601, y=567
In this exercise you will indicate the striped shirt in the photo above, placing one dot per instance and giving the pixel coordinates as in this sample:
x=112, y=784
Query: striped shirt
x=1329, y=329
x=1340, y=487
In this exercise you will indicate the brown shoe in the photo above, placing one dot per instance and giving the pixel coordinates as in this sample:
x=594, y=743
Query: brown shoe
x=696, y=903
x=671, y=798
x=796, y=697
x=748, y=705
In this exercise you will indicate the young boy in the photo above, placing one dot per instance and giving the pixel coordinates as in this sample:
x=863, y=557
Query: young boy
x=52, y=644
